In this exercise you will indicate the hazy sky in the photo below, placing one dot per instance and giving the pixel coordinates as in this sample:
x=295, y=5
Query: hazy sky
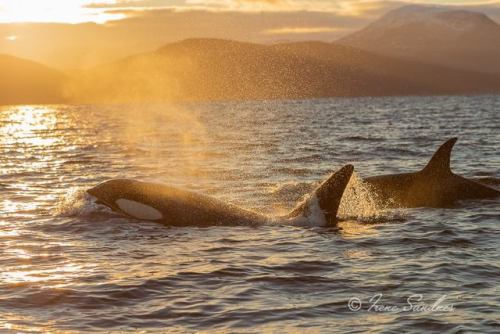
x=82, y=33
x=73, y=11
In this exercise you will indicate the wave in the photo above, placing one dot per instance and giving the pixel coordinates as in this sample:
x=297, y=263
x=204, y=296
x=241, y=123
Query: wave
x=313, y=216
x=76, y=202
x=362, y=138
x=359, y=201
x=291, y=191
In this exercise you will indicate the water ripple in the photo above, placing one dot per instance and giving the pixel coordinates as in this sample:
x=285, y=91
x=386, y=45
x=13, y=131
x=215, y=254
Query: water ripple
x=70, y=265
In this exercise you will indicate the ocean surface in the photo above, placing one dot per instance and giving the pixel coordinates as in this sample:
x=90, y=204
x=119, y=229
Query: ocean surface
x=69, y=265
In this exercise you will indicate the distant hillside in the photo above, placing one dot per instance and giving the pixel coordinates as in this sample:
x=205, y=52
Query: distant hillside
x=438, y=35
x=210, y=69
x=27, y=82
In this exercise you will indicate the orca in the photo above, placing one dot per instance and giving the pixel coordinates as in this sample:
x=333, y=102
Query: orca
x=433, y=186
x=177, y=207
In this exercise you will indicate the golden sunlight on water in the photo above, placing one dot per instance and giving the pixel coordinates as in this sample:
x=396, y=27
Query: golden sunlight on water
x=54, y=275
x=28, y=125
x=353, y=229
x=11, y=206
x=28, y=137
x=71, y=265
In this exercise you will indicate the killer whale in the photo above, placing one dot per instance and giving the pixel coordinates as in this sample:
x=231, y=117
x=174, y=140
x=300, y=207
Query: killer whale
x=433, y=186
x=177, y=207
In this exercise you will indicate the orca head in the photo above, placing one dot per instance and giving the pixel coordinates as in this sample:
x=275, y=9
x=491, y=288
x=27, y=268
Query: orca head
x=126, y=196
x=109, y=191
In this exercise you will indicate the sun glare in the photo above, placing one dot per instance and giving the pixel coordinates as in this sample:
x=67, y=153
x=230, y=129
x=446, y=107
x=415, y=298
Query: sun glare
x=72, y=11
x=29, y=126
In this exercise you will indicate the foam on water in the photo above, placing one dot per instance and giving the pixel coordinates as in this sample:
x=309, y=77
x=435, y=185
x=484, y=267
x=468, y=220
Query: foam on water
x=77, y=202
x=359, y=201
x=313, y=215
x=291, y=191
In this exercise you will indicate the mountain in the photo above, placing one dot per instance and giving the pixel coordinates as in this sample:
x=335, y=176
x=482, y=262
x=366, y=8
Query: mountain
x=393, y=76
x=212, y=69
x=26, y=82
x=439, y=35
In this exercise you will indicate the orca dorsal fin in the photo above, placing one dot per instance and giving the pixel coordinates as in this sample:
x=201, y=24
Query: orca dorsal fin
x=327, y=195
x=440, y=161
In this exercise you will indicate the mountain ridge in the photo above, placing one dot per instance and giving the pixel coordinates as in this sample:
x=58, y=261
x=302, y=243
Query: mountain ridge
x=217, y=69
x=436, y=35
x=24, y=81
x=201, y=69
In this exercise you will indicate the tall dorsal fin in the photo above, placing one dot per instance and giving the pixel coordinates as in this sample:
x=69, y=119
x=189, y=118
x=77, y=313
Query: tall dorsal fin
x=440, y=161
x=328, y=195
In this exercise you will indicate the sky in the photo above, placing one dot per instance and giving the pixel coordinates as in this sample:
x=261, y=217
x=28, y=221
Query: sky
x=101, y=11
x=71, y=34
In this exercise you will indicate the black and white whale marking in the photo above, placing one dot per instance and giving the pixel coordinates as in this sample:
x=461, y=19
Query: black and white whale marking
x=176, y=207
x=434, y=186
